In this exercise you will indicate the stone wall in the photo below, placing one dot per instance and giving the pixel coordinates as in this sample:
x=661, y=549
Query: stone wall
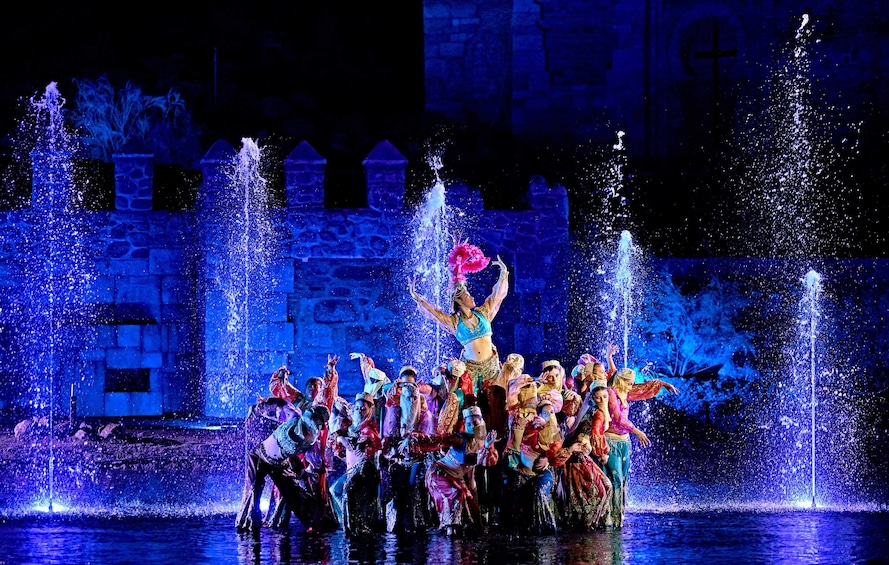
x=142, y=320
x=154, y=327
x=670, y=74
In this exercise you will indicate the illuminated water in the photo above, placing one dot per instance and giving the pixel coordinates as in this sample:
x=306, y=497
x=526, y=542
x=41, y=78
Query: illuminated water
x=239, y=283
x=706, y=537
x=623, y=287
x=52, y=308
x=810, y=313
x=432, y=240
x=596, y=302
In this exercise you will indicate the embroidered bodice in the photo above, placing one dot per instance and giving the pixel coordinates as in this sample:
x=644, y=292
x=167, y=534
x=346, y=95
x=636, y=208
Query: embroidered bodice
x=465, y=334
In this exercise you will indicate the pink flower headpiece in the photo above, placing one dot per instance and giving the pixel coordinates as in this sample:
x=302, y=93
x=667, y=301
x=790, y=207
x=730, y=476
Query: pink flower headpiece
x=465, y=258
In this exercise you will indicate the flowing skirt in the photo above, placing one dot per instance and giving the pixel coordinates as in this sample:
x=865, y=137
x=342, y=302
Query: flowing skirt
x=450, y=495
x=584, y=494
x=356, y=500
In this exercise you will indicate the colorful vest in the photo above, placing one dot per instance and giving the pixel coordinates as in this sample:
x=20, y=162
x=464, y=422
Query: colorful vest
x=285, y=440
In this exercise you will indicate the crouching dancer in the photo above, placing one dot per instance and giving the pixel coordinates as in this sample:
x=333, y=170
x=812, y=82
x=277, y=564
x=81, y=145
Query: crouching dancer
x=451, y=479
x=272, y=458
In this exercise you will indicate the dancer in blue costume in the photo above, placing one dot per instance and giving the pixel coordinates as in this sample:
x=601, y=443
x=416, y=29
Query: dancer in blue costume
x=470, y=324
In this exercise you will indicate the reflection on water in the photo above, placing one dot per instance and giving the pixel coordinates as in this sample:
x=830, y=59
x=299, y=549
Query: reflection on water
x=688, y=537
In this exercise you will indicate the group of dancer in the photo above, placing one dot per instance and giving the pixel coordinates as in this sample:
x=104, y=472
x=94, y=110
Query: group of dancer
x=475, y=445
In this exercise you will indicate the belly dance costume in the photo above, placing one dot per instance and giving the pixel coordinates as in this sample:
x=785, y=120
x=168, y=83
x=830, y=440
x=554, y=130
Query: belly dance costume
x=481, y=371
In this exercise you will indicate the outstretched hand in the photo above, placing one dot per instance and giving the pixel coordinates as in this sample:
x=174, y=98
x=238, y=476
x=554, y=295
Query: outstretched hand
x=643, y=439
x=490, y=438
x=671, y=388
x=522, y=420
x=412, y=287
x=331, y=366
x=612, y=349
x=499, y=262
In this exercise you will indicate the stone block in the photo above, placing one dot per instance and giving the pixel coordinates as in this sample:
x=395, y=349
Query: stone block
x=530, y=306
x=92, y=354
x=90, y=399
x=335, y=311
x=215, y=338
x=124, y=357
x=454, y=50
x=101, y=290
x=151, y=338
x=106, y=336
x=176, y=313
x=146, y=404
x=118, y=404
x=529, y=338
x=283, y=276
x=280, y=337
x=129, y=336
x=139, y=290
x=169, y=337
x=215, y=361
x=152, y=360
x=553, y=307
x=276, y=307
x=165, y=261
x=175, y=289
x=313, y=336
x=131, y=267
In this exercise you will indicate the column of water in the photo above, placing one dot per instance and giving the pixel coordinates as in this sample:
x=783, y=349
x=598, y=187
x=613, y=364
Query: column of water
x=431, y=241
x=52, y=154
x=623, y=285
x=810, y=315
x=248, y=246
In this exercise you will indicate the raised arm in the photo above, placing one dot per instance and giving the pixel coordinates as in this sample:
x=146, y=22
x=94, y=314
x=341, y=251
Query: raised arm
x=649, y=389
x=499, y=291
x=445, y=321
x=331, y=389
x=612, y=368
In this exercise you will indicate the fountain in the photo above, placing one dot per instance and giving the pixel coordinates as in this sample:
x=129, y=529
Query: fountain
x=788, y=191
x=623, y=289
x=790, y=187
x=594, y=248
x=52, y=307
x=437, y=224
x=810, y=316
x=243, y=236
x=432, y=240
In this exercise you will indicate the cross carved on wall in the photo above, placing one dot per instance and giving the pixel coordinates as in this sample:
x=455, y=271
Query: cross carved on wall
x=716, y=54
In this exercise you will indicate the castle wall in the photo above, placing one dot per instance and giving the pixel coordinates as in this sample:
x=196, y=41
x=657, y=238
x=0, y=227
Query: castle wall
x=153, y=312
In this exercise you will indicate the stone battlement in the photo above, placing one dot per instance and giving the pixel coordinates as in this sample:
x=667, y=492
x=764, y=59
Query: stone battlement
x=151, y=304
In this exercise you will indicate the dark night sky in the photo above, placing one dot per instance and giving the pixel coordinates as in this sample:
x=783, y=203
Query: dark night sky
x=331, y=73
x=342, y=76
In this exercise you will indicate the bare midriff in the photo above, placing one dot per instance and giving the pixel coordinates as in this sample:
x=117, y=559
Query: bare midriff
x=480, y=349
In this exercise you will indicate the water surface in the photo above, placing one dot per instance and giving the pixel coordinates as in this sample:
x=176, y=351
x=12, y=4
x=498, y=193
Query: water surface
x=682, y=537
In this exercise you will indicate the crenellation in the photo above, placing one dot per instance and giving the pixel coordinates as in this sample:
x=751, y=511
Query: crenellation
x=337, y=281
